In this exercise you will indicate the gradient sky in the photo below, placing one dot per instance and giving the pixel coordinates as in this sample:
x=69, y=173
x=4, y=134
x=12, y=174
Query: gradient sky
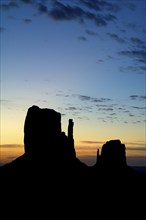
x=85, y=59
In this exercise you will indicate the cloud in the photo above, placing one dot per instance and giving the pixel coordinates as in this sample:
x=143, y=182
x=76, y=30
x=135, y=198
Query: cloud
x=136, y=148
x=61, y=11
x=65, y=12
x=98, y=5
x=134, y=69
x=27, y=1
x=71, y=108
x=138, y=97
x=91, y=33
x=84, y=97
x=91, y=99
x=82, y=38
x=106, y=110
x=99, y=61
x=139, y=108
x=27, y=20
x=42, y=8
x=136, y=52
x=137, y=41
x=116, y=38
x=92, y=142
x=131, y=115
x=135, y=144
x=8, y=6
x=10, y=145
x=139, y=55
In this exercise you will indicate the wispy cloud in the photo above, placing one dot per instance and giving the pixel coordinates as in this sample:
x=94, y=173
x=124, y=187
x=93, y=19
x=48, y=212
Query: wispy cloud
x=136, y=149
x=106, y=109
x=91, y=99
x=82, y=38
x=137, y=41
x=27, y=20
x=61, y=11
x=91, y=33
x=92, y=142
x=101, y=5
x=138, y=97
x=9, y=5
x=139, y=55
x=11, y=145
x=116, y=38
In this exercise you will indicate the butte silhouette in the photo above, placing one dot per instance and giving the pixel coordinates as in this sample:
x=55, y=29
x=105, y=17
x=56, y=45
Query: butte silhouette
x=50, y=170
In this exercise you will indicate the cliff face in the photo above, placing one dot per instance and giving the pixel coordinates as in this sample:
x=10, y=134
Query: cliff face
x=42, y=129
x=113, y=155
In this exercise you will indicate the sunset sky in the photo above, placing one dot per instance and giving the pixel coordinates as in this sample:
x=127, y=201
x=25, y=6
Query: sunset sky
x=83, y=58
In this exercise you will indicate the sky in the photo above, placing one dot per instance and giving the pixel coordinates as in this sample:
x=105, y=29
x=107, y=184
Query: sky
x=85, y=59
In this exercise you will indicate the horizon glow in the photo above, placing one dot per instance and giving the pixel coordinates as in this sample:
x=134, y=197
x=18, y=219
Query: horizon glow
x=88, y=63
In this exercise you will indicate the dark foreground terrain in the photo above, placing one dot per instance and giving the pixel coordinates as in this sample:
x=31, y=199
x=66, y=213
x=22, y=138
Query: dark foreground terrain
x=49, y=182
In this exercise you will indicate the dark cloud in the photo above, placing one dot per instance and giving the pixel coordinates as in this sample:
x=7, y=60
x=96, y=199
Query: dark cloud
x=10, y=145
x=82, y=38
x=91, y=4
x=131, y=115
x=138, y=97
x=140, y=51
x=91, y=33
x=135, y=68
x=139, y=55
x=99, y=61
x=139, y=108
x=8, y=6
x=61, y=11
x=27, y=1
x=116, y=38
x=27, y=20
x=65, y=12
x=137, y=41
x=84, y=97
x=101, y=105
x=88, y=98
x=113, y=113
x=71, y=108
x=99, y=5
x=92, y=142
x=105, y=109
x=42, y=8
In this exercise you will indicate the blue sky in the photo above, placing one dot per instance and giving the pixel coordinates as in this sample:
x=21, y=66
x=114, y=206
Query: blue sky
x=85, y=59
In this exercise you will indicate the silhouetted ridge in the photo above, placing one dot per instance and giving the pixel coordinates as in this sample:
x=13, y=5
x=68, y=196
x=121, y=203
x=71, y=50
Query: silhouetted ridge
x=49, y=168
